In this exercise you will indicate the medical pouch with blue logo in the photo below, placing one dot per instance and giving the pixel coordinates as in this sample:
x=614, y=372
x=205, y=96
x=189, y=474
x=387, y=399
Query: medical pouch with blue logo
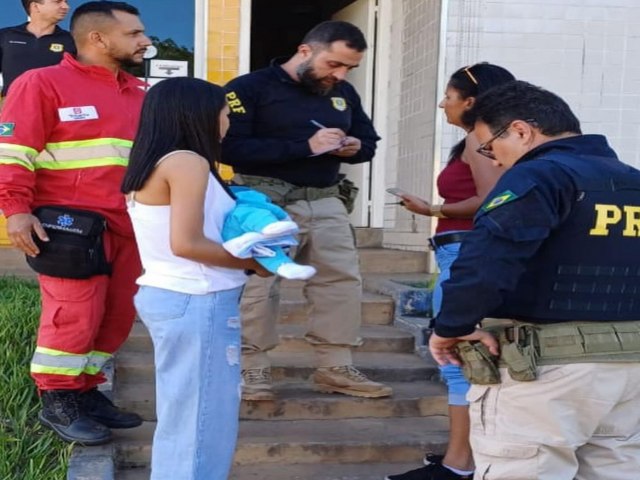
x=75, y=248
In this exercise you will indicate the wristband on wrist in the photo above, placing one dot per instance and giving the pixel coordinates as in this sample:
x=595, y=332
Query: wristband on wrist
x=436, y=211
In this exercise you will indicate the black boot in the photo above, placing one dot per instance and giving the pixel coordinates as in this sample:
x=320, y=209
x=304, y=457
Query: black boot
x=98, y=407
x=61, y=413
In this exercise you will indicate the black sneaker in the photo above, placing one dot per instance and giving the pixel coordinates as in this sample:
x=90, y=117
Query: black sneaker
x=96, y=406
x=433, y=471
x=430, y=458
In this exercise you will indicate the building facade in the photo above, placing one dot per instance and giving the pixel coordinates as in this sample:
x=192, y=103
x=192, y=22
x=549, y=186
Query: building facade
x=584, y=50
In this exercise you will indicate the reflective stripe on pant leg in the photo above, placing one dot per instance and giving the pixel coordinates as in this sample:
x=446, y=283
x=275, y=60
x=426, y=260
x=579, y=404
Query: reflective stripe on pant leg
x=55, y=362
x=96, y=361
x=72, y=311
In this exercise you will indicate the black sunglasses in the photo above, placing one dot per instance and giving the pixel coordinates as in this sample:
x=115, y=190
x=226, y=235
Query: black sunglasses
x=485, y=148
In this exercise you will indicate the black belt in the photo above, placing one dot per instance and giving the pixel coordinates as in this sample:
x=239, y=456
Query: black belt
x=445, y=239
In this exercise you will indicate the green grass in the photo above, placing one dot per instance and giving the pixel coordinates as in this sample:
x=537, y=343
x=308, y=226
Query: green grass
x=27, y=450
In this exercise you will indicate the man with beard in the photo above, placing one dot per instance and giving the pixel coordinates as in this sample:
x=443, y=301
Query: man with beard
x=292, y=124
x=65, y=136
x=37, y=43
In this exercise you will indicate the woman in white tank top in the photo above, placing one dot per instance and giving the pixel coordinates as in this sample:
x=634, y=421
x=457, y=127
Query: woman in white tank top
x=190, y=290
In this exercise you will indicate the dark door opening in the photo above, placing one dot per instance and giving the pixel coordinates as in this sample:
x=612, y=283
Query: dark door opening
x=277, y=26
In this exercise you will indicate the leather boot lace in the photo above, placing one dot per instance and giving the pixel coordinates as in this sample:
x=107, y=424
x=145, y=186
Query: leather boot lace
x=351, y=372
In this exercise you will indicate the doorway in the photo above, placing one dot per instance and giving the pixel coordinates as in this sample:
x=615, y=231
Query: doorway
x=278, y=26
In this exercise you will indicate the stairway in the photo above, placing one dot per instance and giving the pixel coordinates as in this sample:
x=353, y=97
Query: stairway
x=306, y=435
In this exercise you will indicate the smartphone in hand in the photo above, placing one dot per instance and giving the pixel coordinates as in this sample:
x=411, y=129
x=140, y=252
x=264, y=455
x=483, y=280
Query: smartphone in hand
x=398, y=192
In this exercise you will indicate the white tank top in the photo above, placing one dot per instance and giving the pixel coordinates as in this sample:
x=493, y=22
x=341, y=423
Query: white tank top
x=163, y=269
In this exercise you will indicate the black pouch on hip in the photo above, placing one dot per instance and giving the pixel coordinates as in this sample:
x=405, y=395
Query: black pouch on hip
x=347, y=193
x=75, y=248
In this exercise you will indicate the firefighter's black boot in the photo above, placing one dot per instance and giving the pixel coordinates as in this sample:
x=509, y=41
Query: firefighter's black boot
x=61, y=412
x=98, y=407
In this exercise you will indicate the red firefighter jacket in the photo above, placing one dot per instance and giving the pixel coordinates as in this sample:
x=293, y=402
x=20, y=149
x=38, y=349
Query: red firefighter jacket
x=65, y=136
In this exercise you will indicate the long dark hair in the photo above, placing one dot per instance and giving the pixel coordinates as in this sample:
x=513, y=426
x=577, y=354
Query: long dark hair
x=177, y=114
x=472, y=81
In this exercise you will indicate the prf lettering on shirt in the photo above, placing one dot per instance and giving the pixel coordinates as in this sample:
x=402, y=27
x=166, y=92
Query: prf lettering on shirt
x=234, y=103
x=607, y=215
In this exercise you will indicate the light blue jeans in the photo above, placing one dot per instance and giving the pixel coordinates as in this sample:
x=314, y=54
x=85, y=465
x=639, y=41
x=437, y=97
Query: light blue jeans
x=457, y=384
x=196, y=341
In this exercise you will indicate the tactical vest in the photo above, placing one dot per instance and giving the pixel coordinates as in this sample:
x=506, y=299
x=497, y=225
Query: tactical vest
x=589, y=267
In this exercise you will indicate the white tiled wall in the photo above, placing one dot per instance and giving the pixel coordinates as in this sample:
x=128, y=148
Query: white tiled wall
x=584, y=50
x=587, y=51
x=416, y=29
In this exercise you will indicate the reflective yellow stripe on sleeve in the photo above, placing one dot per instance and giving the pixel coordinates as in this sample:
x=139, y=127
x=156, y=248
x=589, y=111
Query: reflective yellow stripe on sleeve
x=11, y=154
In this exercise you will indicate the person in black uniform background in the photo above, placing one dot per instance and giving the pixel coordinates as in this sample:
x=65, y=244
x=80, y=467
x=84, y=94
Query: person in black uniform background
x=554, y=256
x=37, y=43
x=292, y=125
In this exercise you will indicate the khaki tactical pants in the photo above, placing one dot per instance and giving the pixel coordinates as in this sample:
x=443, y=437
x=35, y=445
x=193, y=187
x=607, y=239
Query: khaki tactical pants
x=578, y=421
x=334, y=294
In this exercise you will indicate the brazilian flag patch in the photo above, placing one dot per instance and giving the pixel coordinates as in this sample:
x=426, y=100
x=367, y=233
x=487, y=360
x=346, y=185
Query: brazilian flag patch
x=6, y=129
x=505, y=197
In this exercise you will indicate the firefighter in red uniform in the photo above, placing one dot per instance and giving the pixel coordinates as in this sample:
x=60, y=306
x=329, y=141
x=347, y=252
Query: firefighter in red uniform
x=65, y=136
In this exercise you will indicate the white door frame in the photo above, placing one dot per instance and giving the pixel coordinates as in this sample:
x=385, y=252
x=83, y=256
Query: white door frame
x=244, y=50
x=380, y=111
x=201, y=41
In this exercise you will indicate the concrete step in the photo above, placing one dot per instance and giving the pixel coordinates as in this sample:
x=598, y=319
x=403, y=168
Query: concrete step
x=376, y=338
x=376, y=309
x=369, y=237
x=312, y=441
x=137, y=367
x=384, y=260
x=13, y=263
x=297, y=401
x=322, y=471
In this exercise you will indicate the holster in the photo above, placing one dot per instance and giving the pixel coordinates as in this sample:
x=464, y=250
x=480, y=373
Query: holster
x=347, y=193
x=478, y=365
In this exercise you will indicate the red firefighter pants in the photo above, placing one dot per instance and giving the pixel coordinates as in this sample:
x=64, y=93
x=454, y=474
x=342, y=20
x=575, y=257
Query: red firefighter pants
x=83, y=322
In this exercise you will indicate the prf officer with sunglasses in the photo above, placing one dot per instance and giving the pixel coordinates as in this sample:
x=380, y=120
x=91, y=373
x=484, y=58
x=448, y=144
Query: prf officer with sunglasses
x=554, y=252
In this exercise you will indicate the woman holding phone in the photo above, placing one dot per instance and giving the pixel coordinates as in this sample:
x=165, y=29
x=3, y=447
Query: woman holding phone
x=463, y=184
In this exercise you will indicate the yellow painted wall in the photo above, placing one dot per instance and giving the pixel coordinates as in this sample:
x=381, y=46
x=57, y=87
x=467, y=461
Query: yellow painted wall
x=223, y=49
x=4, y=239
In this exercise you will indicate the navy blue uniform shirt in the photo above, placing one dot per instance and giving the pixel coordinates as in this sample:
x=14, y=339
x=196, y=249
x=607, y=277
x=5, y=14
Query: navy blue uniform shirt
x=271, y=125
x=556, y=240
x=21, y=50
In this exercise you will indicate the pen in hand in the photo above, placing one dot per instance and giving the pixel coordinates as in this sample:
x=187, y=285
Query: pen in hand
x=315, y=123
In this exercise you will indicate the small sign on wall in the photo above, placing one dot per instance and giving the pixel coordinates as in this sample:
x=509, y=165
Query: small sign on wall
x=169, y=68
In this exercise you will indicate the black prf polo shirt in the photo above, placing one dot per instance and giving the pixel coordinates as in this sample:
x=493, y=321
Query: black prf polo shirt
x=272, y=118
x=21, y=50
